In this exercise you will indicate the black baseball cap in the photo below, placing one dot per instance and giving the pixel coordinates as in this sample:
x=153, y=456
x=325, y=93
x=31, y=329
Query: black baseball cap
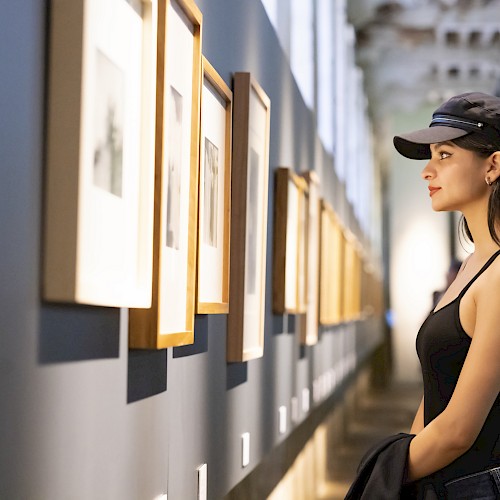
x=473, y=112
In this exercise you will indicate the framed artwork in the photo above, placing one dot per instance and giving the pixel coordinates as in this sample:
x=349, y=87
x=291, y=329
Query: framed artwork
x=98, y=214
x=170, y=320
x=352, y=270
x=289, y=242
x=340, y=279
x=349, y=272
x=368, y=288
x=331, y=265
x=358, y=267
x=309, y=321
x=358, y=284
x=215, y=194
x=251, y=130
x=326, y=264
x=302, y=247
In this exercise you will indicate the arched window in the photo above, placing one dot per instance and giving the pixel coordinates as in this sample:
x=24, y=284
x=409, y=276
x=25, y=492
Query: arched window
x=453, y=72
x=475, y=38
x=452, y=38
x=474, y=72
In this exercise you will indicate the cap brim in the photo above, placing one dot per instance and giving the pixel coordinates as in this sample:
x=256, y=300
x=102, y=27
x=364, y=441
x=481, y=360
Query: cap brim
x=416, y=145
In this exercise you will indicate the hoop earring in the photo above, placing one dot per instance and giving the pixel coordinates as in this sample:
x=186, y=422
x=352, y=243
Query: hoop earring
x=487, y=180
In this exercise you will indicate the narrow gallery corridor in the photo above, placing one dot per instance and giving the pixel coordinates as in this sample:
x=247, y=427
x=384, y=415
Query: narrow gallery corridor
x=214, y=261
x=374, y=415
x=326, y=467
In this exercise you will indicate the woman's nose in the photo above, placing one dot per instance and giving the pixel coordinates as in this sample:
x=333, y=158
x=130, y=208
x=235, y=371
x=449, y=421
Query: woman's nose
x=428, y=171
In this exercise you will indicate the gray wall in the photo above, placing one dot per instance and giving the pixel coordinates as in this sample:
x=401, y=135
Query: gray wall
x=81, y=416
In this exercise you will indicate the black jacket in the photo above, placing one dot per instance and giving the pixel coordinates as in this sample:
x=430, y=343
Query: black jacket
x=382, y=470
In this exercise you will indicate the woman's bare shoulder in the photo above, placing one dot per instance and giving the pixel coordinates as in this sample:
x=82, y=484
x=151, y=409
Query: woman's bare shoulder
x=489, y=285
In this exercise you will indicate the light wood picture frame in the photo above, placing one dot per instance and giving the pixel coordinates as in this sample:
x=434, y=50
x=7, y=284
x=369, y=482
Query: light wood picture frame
x=349, y=264
x=326, y=264
x=368, y=288
x=352, y=270
x=331, y=267
x=302, y=247
x=371, y=290
x=338, y=271
x=214, y=220
x=170, y=320
x=98, y=213
x=309, y=322
x=251, y=133
x=289, y=242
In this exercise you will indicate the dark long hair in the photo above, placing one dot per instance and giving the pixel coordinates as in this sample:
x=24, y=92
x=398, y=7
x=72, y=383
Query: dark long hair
x=483, y=148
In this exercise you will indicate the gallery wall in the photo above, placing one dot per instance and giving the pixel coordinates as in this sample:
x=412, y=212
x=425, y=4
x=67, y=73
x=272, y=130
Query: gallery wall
x=81, y=415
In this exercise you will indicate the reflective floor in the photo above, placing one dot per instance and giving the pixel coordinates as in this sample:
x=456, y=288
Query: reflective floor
x=369, y=417
x=326, y=467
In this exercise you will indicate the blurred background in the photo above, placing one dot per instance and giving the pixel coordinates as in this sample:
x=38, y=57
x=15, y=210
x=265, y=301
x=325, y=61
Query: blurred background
x=85, y=417
x=386, y=66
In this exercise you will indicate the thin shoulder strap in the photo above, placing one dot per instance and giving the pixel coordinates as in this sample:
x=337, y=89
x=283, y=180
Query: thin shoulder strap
x=481, y=271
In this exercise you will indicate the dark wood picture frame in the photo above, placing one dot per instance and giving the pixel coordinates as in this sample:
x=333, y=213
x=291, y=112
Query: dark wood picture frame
x=249, y=195
x=289, y=242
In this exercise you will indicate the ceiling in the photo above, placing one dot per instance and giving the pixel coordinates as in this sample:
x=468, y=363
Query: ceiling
x=419, y=52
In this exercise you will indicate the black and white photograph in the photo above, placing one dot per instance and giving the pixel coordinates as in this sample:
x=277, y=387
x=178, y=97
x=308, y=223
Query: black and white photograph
x=108, y=125
x=170, y=320
x=211, y=193
x=174, y=168
x=214, y=186
x=100, y=118
x=251, y=125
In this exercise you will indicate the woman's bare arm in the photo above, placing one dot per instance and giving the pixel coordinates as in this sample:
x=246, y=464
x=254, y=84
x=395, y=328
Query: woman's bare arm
x=418, y=421
x=454, y=431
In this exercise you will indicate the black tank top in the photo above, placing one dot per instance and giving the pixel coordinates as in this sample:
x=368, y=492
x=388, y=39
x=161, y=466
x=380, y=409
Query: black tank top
x=442, y=346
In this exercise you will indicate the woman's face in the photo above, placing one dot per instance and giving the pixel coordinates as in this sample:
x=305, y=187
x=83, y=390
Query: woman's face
x=456, y=177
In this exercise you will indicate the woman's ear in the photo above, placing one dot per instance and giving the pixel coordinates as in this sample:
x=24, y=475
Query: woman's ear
x=494, y=166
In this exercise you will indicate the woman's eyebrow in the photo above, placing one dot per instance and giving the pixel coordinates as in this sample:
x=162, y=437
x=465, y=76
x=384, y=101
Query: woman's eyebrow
x=439, y=144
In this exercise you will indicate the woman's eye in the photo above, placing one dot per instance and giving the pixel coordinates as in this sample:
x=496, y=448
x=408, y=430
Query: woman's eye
x=443, y=155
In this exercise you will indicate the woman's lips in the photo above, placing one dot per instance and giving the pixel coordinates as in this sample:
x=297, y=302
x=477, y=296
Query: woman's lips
x=432, y=190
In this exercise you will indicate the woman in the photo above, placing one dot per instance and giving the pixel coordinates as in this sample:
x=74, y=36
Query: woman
x=456, y=448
